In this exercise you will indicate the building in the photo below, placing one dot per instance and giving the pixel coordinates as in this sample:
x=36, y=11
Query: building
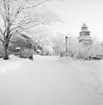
x=84, y=36
x=20, y=43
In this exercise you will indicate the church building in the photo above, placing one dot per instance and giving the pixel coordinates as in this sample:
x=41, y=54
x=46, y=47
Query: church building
x=84, y=36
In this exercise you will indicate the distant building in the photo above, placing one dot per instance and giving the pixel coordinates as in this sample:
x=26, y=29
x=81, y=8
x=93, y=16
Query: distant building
x=84, y=36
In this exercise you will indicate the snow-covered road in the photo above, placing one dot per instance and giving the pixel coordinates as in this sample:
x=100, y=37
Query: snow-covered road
x=51, y=81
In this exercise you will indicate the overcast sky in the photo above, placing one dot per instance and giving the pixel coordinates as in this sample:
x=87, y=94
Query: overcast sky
x=75, y=12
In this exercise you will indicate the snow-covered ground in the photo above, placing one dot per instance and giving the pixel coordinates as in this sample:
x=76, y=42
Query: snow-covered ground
x=51, y=81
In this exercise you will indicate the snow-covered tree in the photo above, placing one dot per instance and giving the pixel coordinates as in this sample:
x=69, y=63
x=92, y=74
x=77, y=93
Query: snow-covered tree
x=18, y=16
x=58, y=43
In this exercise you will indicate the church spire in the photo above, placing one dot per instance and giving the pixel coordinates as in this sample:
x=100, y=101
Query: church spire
x=84, y=27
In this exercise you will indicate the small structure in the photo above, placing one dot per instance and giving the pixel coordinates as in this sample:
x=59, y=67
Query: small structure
x=84, y=36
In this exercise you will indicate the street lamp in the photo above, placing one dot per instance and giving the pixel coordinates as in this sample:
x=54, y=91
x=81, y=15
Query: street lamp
x=66, y=39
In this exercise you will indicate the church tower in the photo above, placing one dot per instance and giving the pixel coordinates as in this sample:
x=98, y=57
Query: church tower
x=84, y=36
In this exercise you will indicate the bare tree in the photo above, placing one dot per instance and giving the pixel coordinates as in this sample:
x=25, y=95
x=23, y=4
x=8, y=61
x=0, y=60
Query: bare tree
x=17, y=18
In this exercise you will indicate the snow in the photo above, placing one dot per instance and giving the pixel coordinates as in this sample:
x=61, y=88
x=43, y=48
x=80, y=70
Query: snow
x=51, y=80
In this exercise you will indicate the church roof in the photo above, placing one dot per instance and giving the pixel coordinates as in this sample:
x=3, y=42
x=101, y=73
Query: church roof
x=84, y=25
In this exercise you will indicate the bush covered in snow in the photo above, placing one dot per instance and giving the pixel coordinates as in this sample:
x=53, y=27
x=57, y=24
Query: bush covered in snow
x=47, y=50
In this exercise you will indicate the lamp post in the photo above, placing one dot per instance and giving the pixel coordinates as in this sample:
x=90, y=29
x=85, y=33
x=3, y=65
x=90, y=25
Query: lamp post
x=66, y=39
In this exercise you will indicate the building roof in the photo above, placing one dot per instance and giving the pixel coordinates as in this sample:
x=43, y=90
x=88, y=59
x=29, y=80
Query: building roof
x=20, y=40
x=84, y=27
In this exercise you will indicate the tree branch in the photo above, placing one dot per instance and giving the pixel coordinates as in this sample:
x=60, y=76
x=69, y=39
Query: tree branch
x=17, y=12
x=35, y=4
x=1, y=40
x=9, y=37
x=1, y=32
x=3, y=17
x=24, y=23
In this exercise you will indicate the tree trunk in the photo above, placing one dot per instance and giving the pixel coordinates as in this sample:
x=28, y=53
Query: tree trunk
x=5, y=52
